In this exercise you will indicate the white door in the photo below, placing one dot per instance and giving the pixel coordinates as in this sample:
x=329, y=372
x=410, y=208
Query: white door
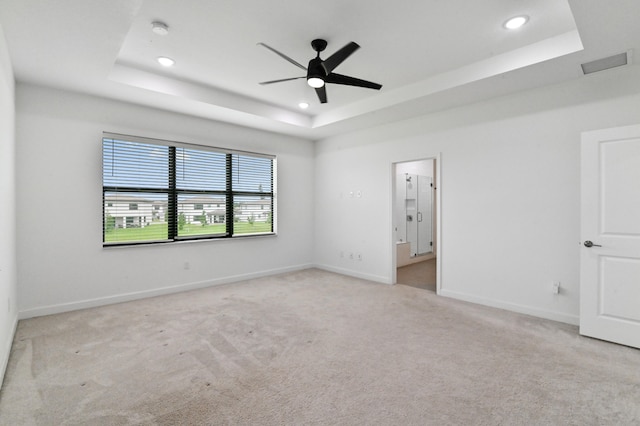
x=610, y=232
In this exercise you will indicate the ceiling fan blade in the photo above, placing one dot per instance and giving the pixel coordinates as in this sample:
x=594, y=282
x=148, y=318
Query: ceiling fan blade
x=282, y=55
x=336, y=59
x=322, y=94
x=281, y=80
x=351, y=81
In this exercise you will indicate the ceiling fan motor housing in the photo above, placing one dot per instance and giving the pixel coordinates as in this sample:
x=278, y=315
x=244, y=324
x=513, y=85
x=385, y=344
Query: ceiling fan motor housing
x=316, y=70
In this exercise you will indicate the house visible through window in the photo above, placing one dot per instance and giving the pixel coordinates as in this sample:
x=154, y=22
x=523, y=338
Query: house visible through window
x=157, y=191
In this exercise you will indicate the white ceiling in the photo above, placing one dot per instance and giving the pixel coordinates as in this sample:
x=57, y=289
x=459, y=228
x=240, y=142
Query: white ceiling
x=428, y=55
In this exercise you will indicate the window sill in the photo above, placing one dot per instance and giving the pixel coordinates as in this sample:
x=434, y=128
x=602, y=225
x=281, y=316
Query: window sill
x=177, y=242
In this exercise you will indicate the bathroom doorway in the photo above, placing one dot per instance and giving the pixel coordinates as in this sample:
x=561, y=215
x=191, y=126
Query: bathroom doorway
x=414, y=223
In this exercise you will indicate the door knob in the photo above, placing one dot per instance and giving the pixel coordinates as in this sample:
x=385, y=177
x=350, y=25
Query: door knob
x=590, y=244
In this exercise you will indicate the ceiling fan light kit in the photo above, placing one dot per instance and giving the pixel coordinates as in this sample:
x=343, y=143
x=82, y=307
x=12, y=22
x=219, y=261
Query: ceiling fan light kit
x=320, y=72
x=315, y=82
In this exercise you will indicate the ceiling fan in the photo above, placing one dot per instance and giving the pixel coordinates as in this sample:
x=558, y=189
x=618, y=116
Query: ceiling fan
x=320, y=71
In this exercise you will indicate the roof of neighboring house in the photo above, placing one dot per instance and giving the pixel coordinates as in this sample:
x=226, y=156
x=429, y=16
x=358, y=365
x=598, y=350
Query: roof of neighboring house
x=204, y=200
x=129, y=199
x=266, y=202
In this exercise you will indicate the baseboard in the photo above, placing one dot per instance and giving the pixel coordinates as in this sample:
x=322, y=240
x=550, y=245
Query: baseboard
x=6, y=350
x=127, y=297
x=507, y=306
x=355, y=274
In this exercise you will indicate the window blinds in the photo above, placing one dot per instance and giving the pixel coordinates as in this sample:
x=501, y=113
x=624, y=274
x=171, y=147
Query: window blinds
x=158, y=191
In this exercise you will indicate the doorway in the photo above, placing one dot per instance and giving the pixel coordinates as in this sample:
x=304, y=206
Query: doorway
x=414, y=223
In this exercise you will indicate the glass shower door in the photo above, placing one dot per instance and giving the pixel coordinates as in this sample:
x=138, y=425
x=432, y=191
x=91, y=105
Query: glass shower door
x=424, y=228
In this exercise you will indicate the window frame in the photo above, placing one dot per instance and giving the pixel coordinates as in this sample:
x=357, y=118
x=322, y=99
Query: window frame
x=228, y=194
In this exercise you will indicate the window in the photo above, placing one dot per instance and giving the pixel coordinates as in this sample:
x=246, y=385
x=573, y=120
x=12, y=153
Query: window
x=158, y=191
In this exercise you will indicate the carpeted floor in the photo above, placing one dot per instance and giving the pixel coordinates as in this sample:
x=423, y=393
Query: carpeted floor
x=313, y=348
x=420, y=275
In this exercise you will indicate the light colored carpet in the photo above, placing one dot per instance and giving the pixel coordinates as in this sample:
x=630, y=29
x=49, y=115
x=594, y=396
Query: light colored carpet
x=313, y=348
x=419, y=275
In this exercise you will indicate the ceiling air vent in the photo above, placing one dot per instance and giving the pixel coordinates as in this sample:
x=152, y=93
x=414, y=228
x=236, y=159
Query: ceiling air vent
x=605, y=63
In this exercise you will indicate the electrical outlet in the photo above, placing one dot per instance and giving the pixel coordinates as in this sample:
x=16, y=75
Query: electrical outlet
x=359, y=256
x=556, y=287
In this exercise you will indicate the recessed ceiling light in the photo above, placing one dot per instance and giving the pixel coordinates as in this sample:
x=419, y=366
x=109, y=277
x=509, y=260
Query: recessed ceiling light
x=160, y=28
x=303, y=105
x=165, y=62
x=516, y=22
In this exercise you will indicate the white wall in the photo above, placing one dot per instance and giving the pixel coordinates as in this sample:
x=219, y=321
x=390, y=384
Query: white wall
x=8, y=274
x=61, y=262
x=509, y=188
